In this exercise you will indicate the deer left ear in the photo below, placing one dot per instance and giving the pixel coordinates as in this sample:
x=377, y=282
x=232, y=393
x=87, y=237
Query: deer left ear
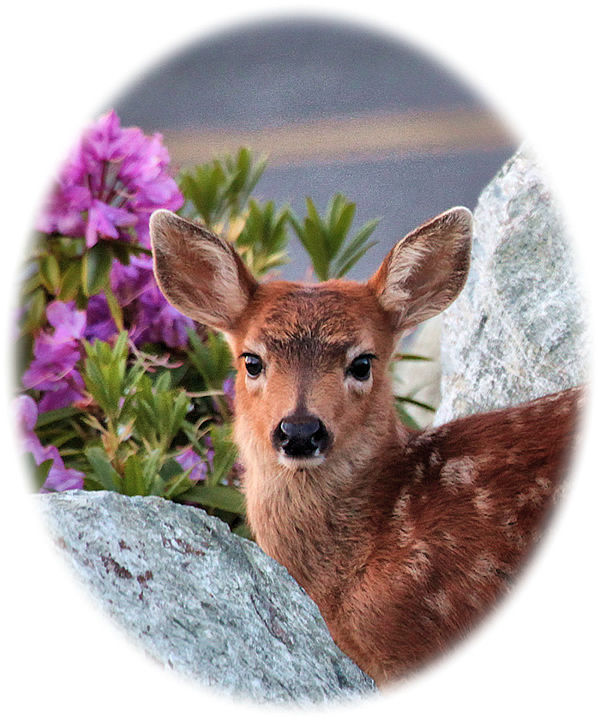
x=199, y=273
x=426, y=270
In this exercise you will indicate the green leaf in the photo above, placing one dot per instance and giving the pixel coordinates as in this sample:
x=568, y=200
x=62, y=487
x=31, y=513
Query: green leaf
x=312, y=238
x=355, y=248
x=212, y=358
x=353, y=260
x=341, y=224
x=70, y=282
x=410, y=357
x=35, y=313
x=262, y=241
x=39, y=473
x=59, y=414
x=134, y=483
x=412, y=401
x=225, y=498
x=179, y=484
x=115, y=308
x=105, y=374
x=170, y=469
x=50, y=273
x=332, y=255
x=219, y=190
x=95, y=268
x=243, y=530
x=103, y=469
x=406, y=418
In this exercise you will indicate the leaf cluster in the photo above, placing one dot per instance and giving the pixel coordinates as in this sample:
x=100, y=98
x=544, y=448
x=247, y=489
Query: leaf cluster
x=218, y=191
x=326, y=240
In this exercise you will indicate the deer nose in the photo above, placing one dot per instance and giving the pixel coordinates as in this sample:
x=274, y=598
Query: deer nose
x=301, y=436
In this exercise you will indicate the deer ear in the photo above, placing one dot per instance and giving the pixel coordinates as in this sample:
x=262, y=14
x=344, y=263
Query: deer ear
x=200, y=274
x=426, y=270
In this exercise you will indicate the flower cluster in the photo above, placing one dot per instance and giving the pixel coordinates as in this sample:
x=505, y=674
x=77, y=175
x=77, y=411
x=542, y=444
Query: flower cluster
x=190, y=461
x=151, y=318
x=53, y=369
x=113, y=180
x=59, y=478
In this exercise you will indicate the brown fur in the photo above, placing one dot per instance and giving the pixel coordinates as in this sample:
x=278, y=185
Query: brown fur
x=402, y=538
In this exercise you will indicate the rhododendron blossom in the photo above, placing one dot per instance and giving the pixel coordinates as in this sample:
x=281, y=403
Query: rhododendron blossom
x=59, y=477
x=189, y=459
x=113, y=180
x=56, y=354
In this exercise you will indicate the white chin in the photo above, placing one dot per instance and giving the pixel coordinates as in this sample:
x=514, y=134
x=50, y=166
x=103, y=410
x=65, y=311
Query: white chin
x=301, y=462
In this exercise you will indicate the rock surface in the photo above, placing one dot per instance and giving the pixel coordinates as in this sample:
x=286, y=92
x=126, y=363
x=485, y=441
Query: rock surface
x=201, y=600
x=517, y=330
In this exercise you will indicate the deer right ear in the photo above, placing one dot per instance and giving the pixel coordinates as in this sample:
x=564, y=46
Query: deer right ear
x=199, y=273
x=426, y=270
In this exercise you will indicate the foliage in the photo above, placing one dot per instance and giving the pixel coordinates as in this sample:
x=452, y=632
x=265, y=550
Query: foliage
x=325, y=238
x=219, y=190
x=119, y=391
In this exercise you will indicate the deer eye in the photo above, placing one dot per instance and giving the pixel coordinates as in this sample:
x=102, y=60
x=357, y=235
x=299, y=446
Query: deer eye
x=360, y=368
x=254, y=365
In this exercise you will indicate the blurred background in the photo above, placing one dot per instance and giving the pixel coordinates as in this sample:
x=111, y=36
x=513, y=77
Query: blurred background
x=337, y=109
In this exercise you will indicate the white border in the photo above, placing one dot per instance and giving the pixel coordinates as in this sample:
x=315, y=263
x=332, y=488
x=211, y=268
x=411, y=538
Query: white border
x=536, y=62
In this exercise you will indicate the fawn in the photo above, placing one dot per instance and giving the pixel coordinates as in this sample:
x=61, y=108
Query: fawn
x=402, y=538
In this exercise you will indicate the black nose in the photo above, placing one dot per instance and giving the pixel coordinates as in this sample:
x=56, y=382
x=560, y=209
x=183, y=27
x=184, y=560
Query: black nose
x=300, y=436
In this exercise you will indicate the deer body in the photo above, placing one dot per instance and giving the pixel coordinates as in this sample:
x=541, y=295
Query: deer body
x=402, y=538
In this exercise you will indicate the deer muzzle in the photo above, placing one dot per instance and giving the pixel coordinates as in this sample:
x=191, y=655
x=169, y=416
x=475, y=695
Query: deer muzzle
x=300, y=437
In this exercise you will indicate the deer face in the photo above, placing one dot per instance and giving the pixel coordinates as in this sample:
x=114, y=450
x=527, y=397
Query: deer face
x=311, y=367
x=311, y=384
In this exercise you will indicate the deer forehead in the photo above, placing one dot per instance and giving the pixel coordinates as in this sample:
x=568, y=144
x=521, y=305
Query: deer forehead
x=316, y=324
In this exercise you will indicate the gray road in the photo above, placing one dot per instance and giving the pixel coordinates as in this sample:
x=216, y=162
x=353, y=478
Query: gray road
x=274, y=76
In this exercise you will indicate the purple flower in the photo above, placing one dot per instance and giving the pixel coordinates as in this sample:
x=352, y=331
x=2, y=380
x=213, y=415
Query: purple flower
x=156, y=321
x=229, y=392
x=100, y=323
x=112, y=181
x=151, y=318
x=190, y=459
x=59, y=478
x=130, y=281
x=210, y=453
x=67, y=321
x=55, y=355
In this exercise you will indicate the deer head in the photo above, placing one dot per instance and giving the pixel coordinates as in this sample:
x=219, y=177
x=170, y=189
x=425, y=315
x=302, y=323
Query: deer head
x=312, y=385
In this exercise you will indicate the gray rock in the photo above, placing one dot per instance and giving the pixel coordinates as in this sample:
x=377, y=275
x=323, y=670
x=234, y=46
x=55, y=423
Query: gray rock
x=201, y=600
x=517, y=330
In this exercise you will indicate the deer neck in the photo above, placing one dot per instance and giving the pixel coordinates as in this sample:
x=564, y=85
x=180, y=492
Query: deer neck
x=319, y=522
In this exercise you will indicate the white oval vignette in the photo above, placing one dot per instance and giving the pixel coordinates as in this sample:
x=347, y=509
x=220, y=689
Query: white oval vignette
x=64, y=657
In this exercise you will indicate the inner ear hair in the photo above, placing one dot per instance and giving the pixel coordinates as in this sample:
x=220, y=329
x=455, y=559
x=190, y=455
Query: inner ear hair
x=426, y=270
x=199, y=273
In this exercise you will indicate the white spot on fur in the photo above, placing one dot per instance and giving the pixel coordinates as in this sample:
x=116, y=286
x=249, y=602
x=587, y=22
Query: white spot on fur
x=419, y=473
x=458, y=472
x=440, y=602
x=534, y=495
x=405, y=526
x=484, y=567
x=511, y=529
x=401, y=505
x=483, y=502
x=418, y=561
x=450, y=541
